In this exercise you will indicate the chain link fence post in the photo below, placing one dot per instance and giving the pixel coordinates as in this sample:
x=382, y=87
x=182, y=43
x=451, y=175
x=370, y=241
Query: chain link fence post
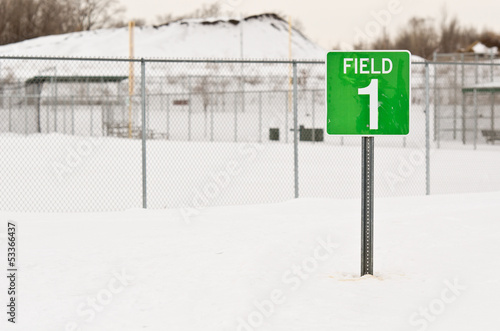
x=10, y=113
x=455, y=98
x=492, y=109
x=260, y=117
x=143, y=108
x=476, y=81
x=475, y=118
x=427, y=132
x=434, y=57
x=190, y=109
x=463, y=99
x=286, y=115
x=235, y=132
x=295, y=131
x=313, y=116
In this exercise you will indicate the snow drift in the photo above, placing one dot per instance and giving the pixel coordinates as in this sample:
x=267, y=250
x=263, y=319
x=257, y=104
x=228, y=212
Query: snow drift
x=264, y=36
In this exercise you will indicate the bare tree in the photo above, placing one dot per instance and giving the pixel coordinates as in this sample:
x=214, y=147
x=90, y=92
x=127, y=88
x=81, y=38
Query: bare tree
x=468, y=36
x=19, y=20
x=96, y=14
x=382, y=42
x=490, y=38
x=420, y=37
x=165, y=18
x=206, y=11
x=450, y=34
x=25, y=19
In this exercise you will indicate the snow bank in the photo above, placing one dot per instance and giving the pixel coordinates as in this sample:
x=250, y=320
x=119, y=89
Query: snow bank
x=264, y=36
x=288, y=266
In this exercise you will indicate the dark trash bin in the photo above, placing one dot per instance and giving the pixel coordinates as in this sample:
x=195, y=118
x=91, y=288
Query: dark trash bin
x=311, y=134
x=274, y=134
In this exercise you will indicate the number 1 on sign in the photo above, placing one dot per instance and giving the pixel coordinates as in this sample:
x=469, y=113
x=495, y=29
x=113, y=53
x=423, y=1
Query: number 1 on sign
x=372, y=91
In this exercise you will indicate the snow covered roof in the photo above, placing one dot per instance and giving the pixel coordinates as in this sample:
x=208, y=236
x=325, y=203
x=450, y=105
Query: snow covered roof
x=480, y=48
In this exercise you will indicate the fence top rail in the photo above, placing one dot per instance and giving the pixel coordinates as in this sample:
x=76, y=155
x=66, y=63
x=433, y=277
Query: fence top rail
x=201, y=60
x=468, y=54
x=489, y=64
x=166, y=60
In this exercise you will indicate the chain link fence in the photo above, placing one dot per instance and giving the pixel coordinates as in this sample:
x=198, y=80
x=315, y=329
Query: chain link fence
x=466, y=95
x=110, y=134
x=465, y=89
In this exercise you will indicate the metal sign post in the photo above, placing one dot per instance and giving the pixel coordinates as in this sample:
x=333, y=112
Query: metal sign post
x=367, y=206
x=367, y=94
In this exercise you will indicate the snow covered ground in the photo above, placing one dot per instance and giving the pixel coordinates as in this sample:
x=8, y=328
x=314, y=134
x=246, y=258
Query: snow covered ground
x=70, y=173
x=285, y=266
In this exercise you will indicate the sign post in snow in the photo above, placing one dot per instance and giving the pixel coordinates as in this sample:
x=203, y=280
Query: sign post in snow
x=367, y=94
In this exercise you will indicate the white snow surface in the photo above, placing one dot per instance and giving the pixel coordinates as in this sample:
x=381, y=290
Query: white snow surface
x=264, y=36
x=62, y=173
x=299, y=261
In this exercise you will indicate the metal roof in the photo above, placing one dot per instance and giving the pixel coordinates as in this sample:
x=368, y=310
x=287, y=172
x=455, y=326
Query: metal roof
x=75, y=79
x=484, y=87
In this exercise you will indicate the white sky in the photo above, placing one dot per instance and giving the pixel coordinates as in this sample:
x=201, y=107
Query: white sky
x=333, y=22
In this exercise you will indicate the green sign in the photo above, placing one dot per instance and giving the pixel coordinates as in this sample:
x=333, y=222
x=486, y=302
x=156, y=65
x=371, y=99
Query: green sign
x=368, y=92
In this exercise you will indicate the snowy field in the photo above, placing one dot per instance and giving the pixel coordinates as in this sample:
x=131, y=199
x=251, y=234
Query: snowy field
x=285, y=266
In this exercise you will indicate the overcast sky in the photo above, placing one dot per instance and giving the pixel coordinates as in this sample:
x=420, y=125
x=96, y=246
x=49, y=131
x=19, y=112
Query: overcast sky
x=335, y=22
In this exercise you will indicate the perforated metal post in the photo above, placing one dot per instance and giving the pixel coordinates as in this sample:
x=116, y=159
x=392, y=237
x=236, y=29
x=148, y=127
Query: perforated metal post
x=367, y=207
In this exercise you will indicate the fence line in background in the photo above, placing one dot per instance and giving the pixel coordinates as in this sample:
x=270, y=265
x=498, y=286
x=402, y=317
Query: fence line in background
x=195, y=102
